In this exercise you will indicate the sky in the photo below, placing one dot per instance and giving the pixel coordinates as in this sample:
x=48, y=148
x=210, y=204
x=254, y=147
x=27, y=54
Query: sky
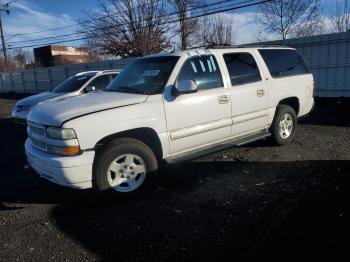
x=27, y=16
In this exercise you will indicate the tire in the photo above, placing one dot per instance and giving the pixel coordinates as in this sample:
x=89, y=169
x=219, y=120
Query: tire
x=284, y=125
x=125, y=168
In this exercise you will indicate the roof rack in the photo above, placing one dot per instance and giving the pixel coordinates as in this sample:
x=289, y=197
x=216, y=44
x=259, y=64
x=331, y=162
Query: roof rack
x=245, y=46
x=236, y=46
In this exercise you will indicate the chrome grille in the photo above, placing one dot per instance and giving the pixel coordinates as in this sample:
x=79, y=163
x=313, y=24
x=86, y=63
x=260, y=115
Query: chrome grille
x=35, y=133
x=38, y=144
x=37, y=130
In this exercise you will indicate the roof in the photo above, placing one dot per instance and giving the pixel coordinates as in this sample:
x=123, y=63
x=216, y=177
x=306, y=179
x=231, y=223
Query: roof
x=92, y=73
x=204, y=50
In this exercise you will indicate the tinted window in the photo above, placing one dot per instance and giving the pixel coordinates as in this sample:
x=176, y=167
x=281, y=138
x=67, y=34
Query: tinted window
x=72, y=84
x=242, y=68
x=144, y=75
x=204, y=71
x=284, y=62
x=100, y=82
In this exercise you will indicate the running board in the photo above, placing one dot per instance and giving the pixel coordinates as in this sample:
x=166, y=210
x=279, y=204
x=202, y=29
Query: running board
x=217, y=147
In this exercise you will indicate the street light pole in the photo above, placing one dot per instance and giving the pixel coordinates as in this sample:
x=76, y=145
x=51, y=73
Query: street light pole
x=6, y=9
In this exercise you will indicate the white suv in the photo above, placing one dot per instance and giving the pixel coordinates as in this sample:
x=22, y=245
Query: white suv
x=171, y=107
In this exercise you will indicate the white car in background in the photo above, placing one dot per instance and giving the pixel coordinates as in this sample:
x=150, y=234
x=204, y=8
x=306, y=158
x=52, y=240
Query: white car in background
x=76, y=85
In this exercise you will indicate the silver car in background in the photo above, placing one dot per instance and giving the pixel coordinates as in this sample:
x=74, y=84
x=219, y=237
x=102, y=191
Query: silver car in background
x=76, y=85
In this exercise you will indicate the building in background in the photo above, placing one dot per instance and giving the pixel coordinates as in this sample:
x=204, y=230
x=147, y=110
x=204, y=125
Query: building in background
x=53, y=55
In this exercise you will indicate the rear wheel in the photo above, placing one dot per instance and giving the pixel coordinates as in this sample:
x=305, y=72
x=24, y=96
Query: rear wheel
x=124, y=168
x=284, y=125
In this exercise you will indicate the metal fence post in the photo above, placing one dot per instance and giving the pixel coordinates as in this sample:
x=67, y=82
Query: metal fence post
x=50, y=78
x=12, y=85
x=23, y=82
x=36, y=81
x=66, y=71
x=2, y=82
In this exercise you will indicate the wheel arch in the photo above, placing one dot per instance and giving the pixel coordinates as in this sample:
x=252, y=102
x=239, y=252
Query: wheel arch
x=145, y=134
x=293, y=102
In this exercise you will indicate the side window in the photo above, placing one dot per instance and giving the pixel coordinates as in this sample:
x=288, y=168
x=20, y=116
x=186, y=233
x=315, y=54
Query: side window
x=203, y=70
x=101, y=82
x=284, y=62
x=242, y=68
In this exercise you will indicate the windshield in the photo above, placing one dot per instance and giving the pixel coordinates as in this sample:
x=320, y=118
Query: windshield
x=144, y=76
x=72, y=84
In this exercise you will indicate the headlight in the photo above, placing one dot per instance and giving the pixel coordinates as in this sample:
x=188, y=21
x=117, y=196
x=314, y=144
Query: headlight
x=66, y=151
x=60, y=133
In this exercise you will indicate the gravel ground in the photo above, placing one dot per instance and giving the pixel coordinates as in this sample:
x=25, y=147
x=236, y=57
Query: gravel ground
x=257, y=202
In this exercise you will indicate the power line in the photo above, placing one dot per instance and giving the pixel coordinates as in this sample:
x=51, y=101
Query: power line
x=71, y=25
x=168, y=22
x=92, y=30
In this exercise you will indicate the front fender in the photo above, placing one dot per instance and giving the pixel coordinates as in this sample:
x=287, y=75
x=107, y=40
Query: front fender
x=93, y=127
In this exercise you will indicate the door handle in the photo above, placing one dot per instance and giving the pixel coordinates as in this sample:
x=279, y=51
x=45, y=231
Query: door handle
x=260, y=92
x=223, y=99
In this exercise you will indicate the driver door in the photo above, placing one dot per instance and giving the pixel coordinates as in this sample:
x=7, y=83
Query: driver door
x=201, y=118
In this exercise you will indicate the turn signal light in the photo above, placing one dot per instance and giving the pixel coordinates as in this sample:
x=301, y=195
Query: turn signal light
x=66, y=151
x=71, y=150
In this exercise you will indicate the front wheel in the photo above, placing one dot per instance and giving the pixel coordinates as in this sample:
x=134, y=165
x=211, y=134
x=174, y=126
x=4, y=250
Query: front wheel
x=284, y=125
x=124, y=168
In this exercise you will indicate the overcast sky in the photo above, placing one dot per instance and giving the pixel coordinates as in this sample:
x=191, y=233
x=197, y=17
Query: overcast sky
x=29, y=16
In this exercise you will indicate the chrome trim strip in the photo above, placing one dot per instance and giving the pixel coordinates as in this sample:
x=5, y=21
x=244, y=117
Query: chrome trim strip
x=198, y=129
x=249, y=117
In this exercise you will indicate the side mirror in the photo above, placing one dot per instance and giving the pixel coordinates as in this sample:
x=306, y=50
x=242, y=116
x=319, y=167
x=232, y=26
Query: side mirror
x=185, y=87
x=90, y=89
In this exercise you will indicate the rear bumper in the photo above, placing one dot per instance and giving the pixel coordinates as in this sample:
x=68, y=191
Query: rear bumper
x=74, y=172
x=306, y=107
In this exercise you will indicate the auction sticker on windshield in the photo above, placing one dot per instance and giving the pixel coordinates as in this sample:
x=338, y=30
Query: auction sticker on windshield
x=151, y=73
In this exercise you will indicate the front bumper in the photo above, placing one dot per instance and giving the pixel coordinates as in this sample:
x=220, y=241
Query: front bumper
x=74, y=172
x=20, y=117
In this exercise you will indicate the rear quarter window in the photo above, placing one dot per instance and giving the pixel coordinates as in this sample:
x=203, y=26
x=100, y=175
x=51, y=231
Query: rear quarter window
x=284, y=62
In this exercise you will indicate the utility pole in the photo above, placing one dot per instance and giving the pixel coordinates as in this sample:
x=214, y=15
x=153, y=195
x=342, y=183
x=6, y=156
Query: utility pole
x=4, y=8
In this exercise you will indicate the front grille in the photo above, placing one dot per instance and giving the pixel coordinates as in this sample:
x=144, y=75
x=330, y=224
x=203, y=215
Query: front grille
x=38, y=144
x=35, y=129
x=35, y=132
x=21, y=108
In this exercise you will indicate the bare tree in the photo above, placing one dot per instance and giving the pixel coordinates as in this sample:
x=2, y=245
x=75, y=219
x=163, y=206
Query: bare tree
x=21, y=58
x=261, y=36
x=341, y=16
x=217, y=30
x=187, y=27
x=129, y=28
x=291, y=18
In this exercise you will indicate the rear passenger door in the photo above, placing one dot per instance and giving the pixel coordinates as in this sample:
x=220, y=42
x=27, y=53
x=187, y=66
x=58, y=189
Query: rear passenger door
x=248, y=91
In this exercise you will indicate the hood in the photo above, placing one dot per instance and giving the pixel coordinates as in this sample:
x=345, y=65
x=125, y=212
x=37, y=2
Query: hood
x=36, y=99
x=55, y=112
